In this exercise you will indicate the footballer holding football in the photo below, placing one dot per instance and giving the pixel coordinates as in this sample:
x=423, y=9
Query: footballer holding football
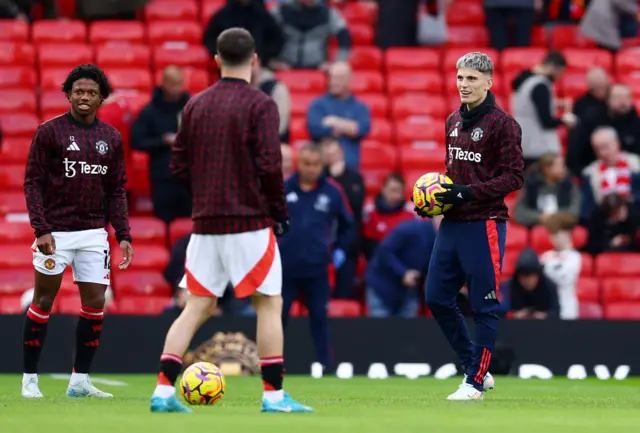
x=484, y=159
x=74, y=184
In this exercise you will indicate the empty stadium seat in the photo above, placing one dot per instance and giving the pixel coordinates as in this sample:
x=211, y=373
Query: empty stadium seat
x=622, y=311
x=539, y=37
x=573, y=85
x=517, y=237
x=376, y=155
x=588, y=290
x=52, y=78
x=400, y=82
x=568, y=36
x=373, y=179
x=361, y=34
x=68, y=304
x=12, y=203
x=585, y=59
x=19, y=125
x=418, y=106
x=135, y=101
x=452, y=55
x=15, y=281
x=407, y=59
x=130, y=79
x=509, y=263
x=17, y=77
x=468, y=36
x=147, y=283
x=620, y=290
x=46, y=31
x=617, y=264
x=15, y=256
x=589, y=310
x=149, y=230
x=14, y=150
x=16, y=232
x=14, y=30
x=11, y=305
x=300, y=103
x=209, y=7
x=378, y=103
x=517, y=59
x=17, y=54
x=171, y=10
x=64, y=55
x=423, y=133
x=163, y=32
x=381, y=130
x=627, y=60
x=586, y=269
x=465, y=13
x=11, y=176
x=139, y=183
x=187, y=56
x=344, y=308
x=365, y=58
x=119, y=56
x=367, y=82
x=17, y=101
x=101, y=32
x=303, y=80
x=143, y=305
x=298, y=129
x=360, y=12
x=179, y=228
x=53, y=103
x=421, y=159
x=148, y=257
x=541, y=242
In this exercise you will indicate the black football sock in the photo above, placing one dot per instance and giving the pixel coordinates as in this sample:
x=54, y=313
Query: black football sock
x=170, y=366
x=34, y=333
x=87, y=338
x=272, y=372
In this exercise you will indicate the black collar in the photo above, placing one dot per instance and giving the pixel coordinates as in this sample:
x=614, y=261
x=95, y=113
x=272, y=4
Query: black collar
x=471, y=117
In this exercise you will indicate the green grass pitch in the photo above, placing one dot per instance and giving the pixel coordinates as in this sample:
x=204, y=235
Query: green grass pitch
x=396, y=405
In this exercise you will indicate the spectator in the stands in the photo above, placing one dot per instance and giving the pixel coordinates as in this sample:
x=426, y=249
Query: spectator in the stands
x=287, y=161
x=532, y=295
x=353, y=186
x=339, y=114
x=547, y=189
x=264, y=79
x=396, y=24
x=602, y=21
x=563, y=263
x=614, y=171
x=620, y=114
x=398, y=266
x=595, y=100
x=510, y=17
x=109, y=10
x=534, y=108
x=253, y=16
x=21, y=9
x=154, y=132
x=389, y=209
x=308, y=26
x=614, y=226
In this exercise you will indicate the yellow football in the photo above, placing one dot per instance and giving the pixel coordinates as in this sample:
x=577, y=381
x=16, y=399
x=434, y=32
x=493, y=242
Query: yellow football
x=423, y=193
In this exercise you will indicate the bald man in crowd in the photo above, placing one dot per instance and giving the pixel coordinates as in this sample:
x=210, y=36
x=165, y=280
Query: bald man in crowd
x=595, y=100
x=339, y=114
x=154, y=132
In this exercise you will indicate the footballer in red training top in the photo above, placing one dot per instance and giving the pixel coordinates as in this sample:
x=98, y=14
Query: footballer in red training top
x=74, y=184
x=484, y=159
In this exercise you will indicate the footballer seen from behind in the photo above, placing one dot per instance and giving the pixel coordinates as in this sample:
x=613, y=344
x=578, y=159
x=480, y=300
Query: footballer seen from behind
x=484, y=159
x=227, y=152
x=74, y=184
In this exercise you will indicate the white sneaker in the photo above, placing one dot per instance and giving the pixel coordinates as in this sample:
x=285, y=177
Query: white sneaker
x=86, y=389
x=466, y=392
x=30, y=386
x=488, y=383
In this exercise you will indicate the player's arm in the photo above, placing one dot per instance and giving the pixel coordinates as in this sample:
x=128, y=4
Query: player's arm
x=268, y=160
x=508, y=144
x=35, y=178
x=179, y=155
x=117, y=207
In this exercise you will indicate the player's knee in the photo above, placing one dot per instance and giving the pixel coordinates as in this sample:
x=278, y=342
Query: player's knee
x=435, y=302
x=44, y=302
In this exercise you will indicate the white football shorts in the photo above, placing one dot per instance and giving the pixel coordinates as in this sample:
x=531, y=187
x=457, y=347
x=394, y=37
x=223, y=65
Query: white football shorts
x=250, y=260
x=87, y=251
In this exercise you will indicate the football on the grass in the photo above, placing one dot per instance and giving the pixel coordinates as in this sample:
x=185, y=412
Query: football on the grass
x=425, y=188
x=202, y=384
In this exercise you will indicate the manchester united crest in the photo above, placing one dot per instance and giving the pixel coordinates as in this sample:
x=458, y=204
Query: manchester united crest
x=50, y=264
x=102, y=147
x=476, y=134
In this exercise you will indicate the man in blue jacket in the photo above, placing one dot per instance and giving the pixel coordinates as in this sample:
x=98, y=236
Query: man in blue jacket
x=321, y=231
x=397, y=267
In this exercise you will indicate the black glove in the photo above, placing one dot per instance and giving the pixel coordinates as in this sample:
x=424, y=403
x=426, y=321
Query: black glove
x=421, y=213
x=281, y=228
x=455, y=194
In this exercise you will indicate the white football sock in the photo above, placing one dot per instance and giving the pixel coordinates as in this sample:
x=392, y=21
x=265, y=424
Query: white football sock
x=164, y=391
x=273, y=396
x=77, y=378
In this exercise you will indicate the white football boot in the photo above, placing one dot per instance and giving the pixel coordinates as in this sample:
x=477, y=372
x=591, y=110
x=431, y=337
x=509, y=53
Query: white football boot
x=488, y=383
x=466, y=392
x=84, y=388
x=30, y=386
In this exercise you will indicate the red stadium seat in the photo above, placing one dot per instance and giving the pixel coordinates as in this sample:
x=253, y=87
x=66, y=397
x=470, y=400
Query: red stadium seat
x=378, y=103
x=408, y=59
x=373, y=179
x=135, y=101
x=12, y=203
x=15, y=281
x=589, y=310
x=209, y=7
x=140, y=283
x=303, y=80
x=361, y=34
x=14, y=150
x=195, y=80
x=14, y=30
x=58, y=31
x=123, y=56
x=344, y=308
x=584, y=59
x=17, y=101
x=419, y=107
x=162, y=32
x=52, y=79
x=64, y=55
x=627, y=60
x=11, y=305
x=15, y=256
x=148, y=257
x=517, y=237
x=300, y=103
x=381, y=130
x=12, y=176
x=140, y=180
x=53, y=102
x=364, y=58
x=509, y=263
x=101, y=32
x=149, y=230
x=17, y=77
x=541, y=242
x=19, y=125
x=423, y=133
x=16, y=232
x=586, y=269
x=179, y=228
x=399, y=83
x=375, y=155
x=588, y=290
x=517, y=59
x=622, y=311
x=573, y=85
x=569, y=36
x=367, y=82
x=539, y=37
x=17, y=54
x=360, y=13
x=143, y=305
x=620, y=290
x=68, y=304
x=298, y=130
x=465, y=13
x=468, y=36
x=130, y=79
x=187, y=56
x=617, y=264
x=171, y=10
x=452, y=55
x=421, y=159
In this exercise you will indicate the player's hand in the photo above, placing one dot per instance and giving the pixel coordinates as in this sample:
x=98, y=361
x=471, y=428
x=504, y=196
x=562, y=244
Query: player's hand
x=281, y=228
x=455, y=194
x=127, y=254
x=46, y=244
x=411, y=278
x=419, y=211
x=339, y=257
